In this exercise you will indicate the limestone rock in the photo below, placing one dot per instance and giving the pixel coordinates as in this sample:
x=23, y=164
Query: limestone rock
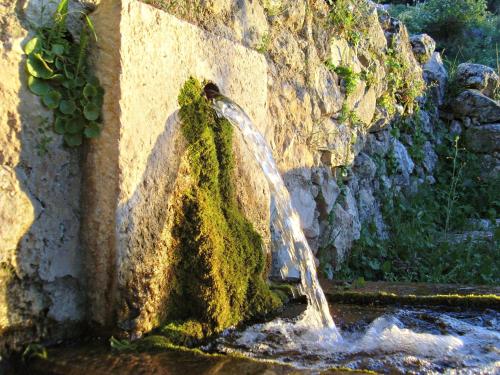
x=404, y=160
x=474, y=104
x=430, y=157
x=364, y=167
x=436, y=76
x=423, y=47
x=250, y=22
x=483, y=138
x=478, y=77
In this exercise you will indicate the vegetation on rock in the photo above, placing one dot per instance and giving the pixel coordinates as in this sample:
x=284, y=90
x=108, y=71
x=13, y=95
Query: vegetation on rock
x=218, y=257
x=59, y=74
x=422, y=225
x=463, y=29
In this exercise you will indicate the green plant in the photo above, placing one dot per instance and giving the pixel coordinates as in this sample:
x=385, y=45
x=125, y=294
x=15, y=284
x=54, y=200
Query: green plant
x=462, y=28
x=388, y=102
x=452, y=193
x=44, y=128
x=59, y=74
x=369, y=75
x=348, y=19
x=274, y=9
x=264, y=44
x=34, y=350
x=348, y=116
x=350, y=78
x=420, y=245
x=404, y=84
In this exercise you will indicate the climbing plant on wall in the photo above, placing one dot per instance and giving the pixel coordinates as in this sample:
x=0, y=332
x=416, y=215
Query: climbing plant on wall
x=59, y=74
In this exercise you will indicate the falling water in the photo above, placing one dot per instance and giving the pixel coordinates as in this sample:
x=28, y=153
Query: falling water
x=287, y=220
x=313, y=340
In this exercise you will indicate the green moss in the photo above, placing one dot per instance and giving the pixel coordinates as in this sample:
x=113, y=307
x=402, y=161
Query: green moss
x=489, y=301
x=186, y=333
x=218, y=257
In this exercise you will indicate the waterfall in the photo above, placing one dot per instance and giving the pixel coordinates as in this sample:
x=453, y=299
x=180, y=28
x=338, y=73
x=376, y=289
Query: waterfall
x=317, y=316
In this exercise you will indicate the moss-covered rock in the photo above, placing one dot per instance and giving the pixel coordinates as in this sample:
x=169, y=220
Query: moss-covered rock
x=218, y=257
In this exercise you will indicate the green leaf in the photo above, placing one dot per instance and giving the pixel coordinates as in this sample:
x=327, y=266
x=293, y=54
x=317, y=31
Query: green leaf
x=59, y=63
x=359, y=282
x=73, y=140
x=84, y=39
x=69, y=84
x=67, y=107
x=61, y=13
x=33, y=45
x=57, y=77
x=79, y=82
x=37, y=86
x=52, y=99
x=89, y=91
x=90, y=25
x=48, y=56
x=60, y=125
x=57, y=49
x=92, y=130
x=91, y=111
x=74, y=126
x=37, y=67
x=387, y=266
x=68, y=73
x=374, y=264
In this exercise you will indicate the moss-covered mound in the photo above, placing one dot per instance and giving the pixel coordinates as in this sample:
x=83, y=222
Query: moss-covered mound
x=218, y=257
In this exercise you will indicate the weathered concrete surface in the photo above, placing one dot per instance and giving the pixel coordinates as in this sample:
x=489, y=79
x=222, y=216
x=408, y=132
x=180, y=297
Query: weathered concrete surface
x=133, y=169
x=41, y=280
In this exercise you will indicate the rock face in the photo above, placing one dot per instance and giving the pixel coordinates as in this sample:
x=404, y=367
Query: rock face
x=483, y=138
x=478, y=77
x=474, y=104
x=423, y=47
x=435, y=76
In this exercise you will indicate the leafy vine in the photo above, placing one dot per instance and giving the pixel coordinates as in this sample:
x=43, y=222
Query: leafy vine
x=59, y=74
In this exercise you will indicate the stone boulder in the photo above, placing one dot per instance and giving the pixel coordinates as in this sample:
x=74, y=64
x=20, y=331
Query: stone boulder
x=423, y=47
x=479, y=77
x=476, y=105
x=483, y=138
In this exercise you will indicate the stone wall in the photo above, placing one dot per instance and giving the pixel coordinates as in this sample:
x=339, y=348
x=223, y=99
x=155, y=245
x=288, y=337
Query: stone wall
x=41, y=276
x=267, y=56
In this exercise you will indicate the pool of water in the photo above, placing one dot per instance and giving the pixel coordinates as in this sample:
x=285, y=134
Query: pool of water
x=387, y=340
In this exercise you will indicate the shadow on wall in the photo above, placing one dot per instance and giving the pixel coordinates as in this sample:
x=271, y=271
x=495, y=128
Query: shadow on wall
x=144, y=240
x=44, y=286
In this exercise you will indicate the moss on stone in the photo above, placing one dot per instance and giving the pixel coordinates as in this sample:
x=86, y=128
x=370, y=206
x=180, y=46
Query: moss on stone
x=186, y=333
x=218, y=258
x=486, y=301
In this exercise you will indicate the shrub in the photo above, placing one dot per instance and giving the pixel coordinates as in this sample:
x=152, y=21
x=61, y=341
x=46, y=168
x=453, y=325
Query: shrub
x=419, y=225
x=463, y=28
